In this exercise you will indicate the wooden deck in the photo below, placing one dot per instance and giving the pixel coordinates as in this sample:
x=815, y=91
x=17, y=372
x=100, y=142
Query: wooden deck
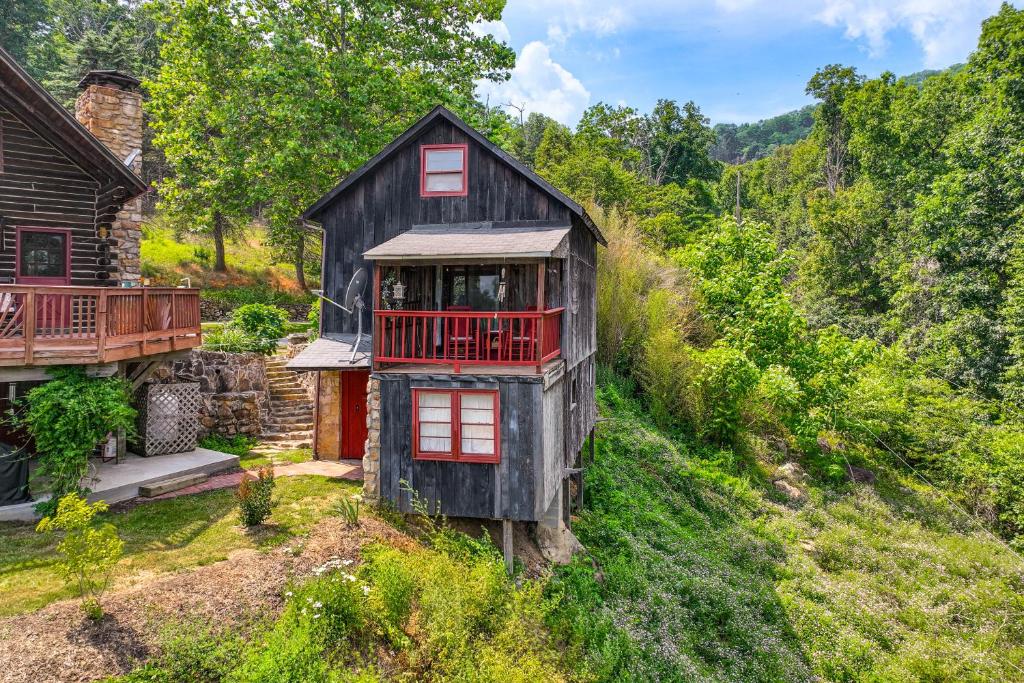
x=43, y=325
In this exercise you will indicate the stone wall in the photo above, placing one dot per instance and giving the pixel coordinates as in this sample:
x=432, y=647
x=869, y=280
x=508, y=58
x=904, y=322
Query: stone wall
x=114, y=116
x=234, y=388
x=371, y=454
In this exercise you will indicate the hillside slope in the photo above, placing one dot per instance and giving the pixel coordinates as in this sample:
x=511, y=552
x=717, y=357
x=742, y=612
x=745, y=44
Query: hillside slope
x=700, y=571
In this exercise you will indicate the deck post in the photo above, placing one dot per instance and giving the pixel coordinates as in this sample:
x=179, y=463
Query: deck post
x=506, y=544
x=541, y=306
x=377, y=337
x=145, y=310
x=101, y=326
x=30, y=325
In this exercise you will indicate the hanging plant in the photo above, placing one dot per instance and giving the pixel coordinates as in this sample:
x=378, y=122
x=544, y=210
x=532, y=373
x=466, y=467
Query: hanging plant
x=67, y=418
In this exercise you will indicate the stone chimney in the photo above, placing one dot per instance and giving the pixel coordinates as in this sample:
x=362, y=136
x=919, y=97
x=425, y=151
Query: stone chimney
x=110, y=107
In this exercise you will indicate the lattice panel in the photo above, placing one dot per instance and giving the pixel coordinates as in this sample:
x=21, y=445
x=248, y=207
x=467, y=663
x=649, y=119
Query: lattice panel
x=168, y=419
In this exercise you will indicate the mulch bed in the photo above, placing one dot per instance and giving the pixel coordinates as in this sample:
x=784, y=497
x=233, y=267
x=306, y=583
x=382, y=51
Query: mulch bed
x=59, y=644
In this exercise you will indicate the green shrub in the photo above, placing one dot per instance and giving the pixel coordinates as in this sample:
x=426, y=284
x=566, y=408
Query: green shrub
x=67, y=417
x=228, y=339
x=89, y=551
x=348, y=509
x=255, y=497
x=314, y=319
x=263, y=325
x=239, y=444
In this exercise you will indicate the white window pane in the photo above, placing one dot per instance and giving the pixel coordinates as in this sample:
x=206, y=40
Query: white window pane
x=484, y=401
x=477, y=417
x=435, y=414
x=444, y=159
x=477, y=431
x=444, y=182
x=431, y=444
x=478, y=447
x=435, y=400
x=434, y=429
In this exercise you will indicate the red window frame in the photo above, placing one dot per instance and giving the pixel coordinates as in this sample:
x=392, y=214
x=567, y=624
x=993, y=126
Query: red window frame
x=423, y=171
x=455, y=454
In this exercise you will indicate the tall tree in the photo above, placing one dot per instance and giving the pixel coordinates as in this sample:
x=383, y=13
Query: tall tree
x=309, y=90
x=832, y=85
x=22, y=22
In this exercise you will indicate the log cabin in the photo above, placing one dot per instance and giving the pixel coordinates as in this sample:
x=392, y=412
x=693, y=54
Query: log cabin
x=70, y=228
x=474, y=393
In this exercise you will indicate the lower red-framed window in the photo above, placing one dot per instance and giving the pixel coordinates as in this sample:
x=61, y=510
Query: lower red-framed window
x=456, y=424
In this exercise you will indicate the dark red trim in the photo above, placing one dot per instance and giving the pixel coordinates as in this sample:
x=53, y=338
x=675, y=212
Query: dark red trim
x=423, y=170
x=455, y=428
x=29, y=280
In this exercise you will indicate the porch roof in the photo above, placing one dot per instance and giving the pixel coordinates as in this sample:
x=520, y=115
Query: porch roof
x=332, y=352
x=472, y=241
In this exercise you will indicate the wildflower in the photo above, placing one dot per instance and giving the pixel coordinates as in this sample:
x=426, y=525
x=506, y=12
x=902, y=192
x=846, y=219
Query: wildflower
x=288, y=594
x=366, y=590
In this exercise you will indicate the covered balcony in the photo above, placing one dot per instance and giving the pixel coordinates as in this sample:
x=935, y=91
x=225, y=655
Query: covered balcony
x=60, y=325
x=477, y=298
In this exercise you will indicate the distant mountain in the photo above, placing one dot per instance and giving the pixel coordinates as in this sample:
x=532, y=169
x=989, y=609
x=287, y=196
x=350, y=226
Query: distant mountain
x=749, y=141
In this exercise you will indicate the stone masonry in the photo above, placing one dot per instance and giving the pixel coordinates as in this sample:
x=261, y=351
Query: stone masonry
x=371, y=453
x=114, y=115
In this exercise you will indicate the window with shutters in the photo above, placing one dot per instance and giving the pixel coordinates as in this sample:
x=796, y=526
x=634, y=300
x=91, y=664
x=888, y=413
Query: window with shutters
x=443, y=170
x=456, y=424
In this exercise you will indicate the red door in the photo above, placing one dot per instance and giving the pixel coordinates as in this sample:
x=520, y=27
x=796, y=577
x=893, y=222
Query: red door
x=353, y=412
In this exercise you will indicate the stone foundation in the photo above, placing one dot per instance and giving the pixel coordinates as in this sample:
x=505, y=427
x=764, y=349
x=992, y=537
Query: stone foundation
x=371, y=453
x=234, y=388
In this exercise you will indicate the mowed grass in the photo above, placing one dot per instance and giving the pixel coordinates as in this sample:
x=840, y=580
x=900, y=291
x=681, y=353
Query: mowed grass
x=164, y=536
x=699, y=571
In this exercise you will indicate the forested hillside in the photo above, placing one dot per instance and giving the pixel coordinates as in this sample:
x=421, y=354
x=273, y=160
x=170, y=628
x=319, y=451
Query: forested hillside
x=751, y=141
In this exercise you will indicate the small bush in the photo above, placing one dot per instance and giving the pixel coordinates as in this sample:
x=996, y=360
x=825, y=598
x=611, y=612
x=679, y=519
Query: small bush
x=89, y=551
x=227, y=339
x=255, y=497
x=239, y=444
x=314, y=319
x=263, y=324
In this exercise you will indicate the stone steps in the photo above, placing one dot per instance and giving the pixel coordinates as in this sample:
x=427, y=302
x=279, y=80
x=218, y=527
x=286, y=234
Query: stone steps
x=290, y=421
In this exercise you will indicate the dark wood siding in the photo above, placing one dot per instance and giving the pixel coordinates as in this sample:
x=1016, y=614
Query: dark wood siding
x=386, y=202
x=40, y=187
x=503, y=491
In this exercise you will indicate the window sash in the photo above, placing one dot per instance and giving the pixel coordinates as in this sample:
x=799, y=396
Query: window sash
x=461, y=425
x=443, y=170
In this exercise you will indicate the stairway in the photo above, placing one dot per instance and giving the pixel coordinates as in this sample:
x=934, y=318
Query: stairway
x=290, y=422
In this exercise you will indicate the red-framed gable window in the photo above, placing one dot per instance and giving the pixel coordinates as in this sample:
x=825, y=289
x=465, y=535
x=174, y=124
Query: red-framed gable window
x=444, y=170
x=456, y=424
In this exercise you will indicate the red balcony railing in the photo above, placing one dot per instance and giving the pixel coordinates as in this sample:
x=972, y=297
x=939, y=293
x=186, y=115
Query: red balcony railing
x=43, y=325
x=468, y=337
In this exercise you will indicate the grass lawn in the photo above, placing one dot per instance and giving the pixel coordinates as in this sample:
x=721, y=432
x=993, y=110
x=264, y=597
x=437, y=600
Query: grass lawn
x=253, y=460
x=165, y=535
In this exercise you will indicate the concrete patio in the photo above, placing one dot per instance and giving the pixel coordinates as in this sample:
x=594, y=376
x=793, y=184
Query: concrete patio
x=114, y=483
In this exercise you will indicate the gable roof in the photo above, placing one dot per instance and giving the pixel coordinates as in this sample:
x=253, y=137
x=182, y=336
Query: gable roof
x=440, y=112
x=30, y=102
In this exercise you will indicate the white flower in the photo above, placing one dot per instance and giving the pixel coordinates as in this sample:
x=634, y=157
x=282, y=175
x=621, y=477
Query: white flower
x=347, y=562
x=366, y=590
x=316, y=616
x=288, y=594
x=318, y=605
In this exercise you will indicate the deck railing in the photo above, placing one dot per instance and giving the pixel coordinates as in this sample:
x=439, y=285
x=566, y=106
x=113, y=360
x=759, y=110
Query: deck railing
x=43, y=325
x=468, y=337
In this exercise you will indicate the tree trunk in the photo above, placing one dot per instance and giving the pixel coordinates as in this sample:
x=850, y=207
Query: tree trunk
x=300, y=261
x=219, y=264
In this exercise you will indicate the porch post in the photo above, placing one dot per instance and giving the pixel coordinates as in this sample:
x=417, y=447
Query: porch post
x=541, y=277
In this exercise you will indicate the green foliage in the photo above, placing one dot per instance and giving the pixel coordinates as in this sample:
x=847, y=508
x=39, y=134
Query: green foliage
x=255, y=497
x=314, y=319
x=67, y=417
x=89, y=551
x=239, y=444
x=263, y=324
x=751, y=141
x=348, y=510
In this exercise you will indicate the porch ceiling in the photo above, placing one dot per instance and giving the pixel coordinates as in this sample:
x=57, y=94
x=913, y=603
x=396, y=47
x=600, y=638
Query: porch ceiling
x=473, y=241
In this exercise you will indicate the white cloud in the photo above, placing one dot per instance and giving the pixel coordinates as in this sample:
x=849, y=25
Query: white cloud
x=498, y=29
x=540, y=84
x=946, y=30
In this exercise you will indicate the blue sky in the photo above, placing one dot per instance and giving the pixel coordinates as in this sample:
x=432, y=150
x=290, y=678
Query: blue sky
x=740, y=60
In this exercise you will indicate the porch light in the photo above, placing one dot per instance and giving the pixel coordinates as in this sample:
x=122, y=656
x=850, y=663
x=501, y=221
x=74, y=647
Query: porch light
x=398, y=291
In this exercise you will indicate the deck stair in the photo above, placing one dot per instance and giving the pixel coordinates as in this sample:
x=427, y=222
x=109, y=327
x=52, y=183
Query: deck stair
x=173, y=484
x=290, y=422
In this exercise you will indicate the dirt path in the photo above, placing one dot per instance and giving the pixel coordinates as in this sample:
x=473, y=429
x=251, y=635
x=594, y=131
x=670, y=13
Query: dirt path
x=58, y=644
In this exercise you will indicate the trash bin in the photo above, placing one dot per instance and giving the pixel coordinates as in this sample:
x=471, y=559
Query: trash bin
x=13, y=475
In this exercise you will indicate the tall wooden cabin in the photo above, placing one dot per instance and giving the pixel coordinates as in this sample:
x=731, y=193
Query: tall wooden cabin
x=479, y=375
x=70, y=222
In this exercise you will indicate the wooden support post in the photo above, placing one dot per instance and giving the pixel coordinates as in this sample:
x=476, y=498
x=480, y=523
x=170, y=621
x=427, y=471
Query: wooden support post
x=101, y=326
x=376, y=335
x=122, y=446
x=30, y=325
x=506, y=544
x=541, y=307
